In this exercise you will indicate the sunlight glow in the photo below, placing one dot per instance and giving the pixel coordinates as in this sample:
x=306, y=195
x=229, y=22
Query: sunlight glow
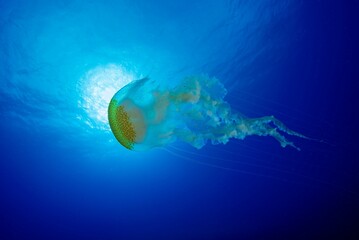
x=98, y=87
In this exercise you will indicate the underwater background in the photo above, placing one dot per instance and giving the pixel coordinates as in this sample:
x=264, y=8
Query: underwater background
x=63, y=175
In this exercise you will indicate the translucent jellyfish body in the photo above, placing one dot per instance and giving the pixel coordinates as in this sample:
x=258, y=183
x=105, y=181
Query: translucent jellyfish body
x=143, y=115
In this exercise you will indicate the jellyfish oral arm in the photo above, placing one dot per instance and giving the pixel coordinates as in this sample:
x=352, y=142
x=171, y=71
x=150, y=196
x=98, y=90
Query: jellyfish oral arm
x=268, y=126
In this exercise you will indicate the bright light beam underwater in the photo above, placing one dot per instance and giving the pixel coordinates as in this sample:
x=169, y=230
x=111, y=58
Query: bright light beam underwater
x=142, y=116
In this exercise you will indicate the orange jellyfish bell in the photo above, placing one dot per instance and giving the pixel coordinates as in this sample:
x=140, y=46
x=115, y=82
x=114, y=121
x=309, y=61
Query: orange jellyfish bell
x=137, y=118
x=126, y=122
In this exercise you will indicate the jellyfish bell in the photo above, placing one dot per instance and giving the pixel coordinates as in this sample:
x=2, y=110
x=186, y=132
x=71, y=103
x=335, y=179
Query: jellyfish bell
x=143, y=115
x=126, y=118
x=136, y=116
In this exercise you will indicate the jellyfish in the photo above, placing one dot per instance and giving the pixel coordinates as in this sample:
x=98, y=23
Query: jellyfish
x=143, y=115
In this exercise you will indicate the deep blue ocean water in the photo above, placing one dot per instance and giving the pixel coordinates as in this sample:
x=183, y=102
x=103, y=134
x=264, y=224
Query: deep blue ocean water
x=64, y=176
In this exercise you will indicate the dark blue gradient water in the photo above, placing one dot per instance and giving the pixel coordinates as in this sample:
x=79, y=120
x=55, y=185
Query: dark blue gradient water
x=64, y=176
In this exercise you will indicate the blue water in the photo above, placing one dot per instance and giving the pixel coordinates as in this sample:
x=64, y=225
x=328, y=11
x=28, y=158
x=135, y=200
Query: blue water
x=64, y=176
